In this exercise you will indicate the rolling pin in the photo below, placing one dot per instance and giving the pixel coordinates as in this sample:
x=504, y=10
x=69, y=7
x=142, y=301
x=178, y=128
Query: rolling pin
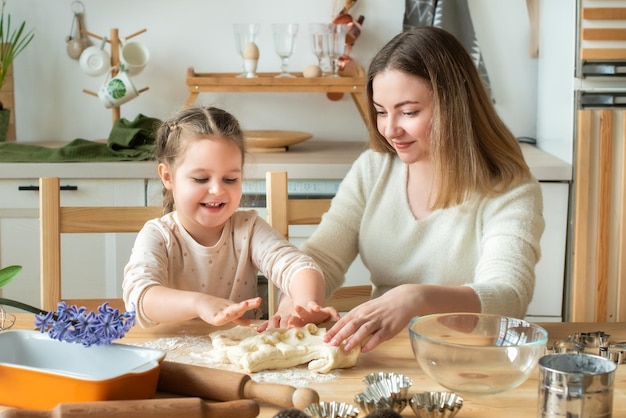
x=223, y=385
x=145, y=408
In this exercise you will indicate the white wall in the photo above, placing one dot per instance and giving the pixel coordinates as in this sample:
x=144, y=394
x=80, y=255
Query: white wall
x=50, y=104
x=556, y=83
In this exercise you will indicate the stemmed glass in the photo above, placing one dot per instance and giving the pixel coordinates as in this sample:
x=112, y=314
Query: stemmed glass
x=319, y=42
x=245, y=33
x=284, y=38
x=336, y=45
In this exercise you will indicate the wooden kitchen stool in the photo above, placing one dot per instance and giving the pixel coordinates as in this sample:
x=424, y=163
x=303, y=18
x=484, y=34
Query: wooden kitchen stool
x=56, y=220
x=283, y=211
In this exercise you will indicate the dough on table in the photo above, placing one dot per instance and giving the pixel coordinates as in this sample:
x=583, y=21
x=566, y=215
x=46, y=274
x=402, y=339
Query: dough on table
x=281, y=349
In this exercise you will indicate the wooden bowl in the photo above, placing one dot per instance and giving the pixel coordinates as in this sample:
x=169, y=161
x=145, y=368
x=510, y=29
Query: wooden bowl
x=273, y=140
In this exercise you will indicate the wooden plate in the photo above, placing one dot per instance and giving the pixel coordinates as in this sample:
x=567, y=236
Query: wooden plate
x=273, y=140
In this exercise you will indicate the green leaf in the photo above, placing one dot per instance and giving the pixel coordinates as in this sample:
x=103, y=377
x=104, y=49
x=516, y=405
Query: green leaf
x=12, y=41
x=8, y=273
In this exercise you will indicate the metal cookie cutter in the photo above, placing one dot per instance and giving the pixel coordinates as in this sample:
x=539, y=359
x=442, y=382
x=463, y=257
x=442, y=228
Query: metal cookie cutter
x=615, y=352
x=597, y=343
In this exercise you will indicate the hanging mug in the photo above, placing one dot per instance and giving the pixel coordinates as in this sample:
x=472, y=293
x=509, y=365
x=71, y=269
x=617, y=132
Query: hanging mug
x=134, y=56
x=117, y=90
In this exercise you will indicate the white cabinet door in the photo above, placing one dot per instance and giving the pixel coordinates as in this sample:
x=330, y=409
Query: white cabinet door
x=547, y=303
x=92, y=264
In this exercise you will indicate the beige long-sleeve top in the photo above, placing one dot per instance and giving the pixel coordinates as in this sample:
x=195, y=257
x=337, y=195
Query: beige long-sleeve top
x=165, y=254
x=488, y=243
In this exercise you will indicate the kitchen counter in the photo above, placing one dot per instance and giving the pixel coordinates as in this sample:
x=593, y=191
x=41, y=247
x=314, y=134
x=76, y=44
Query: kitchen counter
x=396, y=356
x=302, y=162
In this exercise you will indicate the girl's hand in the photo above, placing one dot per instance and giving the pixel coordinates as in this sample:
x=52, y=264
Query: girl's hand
x=313, y=313
x=374, y=321
x=287, y=315
x=282, y=316
x=222, y=311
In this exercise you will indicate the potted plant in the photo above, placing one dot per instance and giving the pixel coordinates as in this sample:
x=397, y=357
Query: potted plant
x=12, y=42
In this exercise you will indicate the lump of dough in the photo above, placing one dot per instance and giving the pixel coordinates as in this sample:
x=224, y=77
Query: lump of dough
x=282, y=349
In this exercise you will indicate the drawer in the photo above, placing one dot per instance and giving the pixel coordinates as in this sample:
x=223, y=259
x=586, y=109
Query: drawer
x=24, y=193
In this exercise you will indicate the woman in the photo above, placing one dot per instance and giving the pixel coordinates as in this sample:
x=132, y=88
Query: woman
x=442, y=209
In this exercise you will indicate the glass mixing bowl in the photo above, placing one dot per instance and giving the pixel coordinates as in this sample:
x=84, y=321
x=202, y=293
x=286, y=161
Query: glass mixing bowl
x=476, y=353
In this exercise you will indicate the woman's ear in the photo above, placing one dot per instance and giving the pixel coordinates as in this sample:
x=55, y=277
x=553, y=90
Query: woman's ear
x=166, y=176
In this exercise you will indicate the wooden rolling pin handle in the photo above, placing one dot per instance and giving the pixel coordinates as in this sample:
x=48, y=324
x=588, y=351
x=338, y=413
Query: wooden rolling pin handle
x=304, y=397
x=280, y=394
x=147, y=408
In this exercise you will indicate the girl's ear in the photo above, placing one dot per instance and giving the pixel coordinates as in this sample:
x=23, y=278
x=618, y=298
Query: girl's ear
x=166, y=176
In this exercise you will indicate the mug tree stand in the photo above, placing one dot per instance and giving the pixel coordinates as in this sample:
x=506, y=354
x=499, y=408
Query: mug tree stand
x=114, y=41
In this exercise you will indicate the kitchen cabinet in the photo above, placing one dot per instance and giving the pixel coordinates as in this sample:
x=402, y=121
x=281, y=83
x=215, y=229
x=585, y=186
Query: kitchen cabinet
x=547, y=303
x=92, y=264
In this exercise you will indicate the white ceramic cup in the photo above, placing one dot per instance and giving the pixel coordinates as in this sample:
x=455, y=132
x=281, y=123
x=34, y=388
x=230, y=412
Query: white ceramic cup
x=95, y=61
x=134, y=56
x=117, y=90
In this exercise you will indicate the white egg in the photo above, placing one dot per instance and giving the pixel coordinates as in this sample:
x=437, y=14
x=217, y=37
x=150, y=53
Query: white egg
x=312, y=71
x=251, y=52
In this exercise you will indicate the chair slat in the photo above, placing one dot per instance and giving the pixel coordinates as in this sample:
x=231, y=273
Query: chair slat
x=56, y=220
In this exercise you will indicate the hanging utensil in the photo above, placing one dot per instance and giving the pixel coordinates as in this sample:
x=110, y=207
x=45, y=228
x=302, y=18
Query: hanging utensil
x=78, y=43
x=347, y=5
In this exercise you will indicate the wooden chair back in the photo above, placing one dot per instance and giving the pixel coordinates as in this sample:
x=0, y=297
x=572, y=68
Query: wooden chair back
x=283, y=211
x=56, y=220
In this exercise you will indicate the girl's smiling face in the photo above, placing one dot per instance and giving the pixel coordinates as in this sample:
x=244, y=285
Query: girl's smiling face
x=206, y=185
x=404, y=111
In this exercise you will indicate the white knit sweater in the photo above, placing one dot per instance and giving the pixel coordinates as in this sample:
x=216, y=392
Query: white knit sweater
x=490, y=244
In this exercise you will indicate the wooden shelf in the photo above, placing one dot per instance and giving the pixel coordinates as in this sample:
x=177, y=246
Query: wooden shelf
x=267, y=83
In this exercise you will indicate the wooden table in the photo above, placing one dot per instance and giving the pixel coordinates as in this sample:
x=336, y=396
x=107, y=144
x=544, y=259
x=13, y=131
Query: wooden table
x=395, y=355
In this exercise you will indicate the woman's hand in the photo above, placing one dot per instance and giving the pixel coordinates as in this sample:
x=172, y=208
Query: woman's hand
x=222, y=311
x=380, y=319
x=374, y=321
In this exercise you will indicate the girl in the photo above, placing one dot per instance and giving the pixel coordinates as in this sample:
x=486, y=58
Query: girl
x=202, y=257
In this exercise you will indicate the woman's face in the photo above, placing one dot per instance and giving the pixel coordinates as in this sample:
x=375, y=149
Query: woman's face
x=404, y=108
x=206, y=186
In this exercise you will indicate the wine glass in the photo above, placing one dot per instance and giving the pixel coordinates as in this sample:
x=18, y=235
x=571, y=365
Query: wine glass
x=284, y=38
x=245, y=34
x=336, y=45
x=319, y=43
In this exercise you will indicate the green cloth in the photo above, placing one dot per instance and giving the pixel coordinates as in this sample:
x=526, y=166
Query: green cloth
x=128, y=141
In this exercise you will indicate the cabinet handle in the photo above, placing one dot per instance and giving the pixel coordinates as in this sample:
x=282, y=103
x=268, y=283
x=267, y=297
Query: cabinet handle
x=36, y=188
